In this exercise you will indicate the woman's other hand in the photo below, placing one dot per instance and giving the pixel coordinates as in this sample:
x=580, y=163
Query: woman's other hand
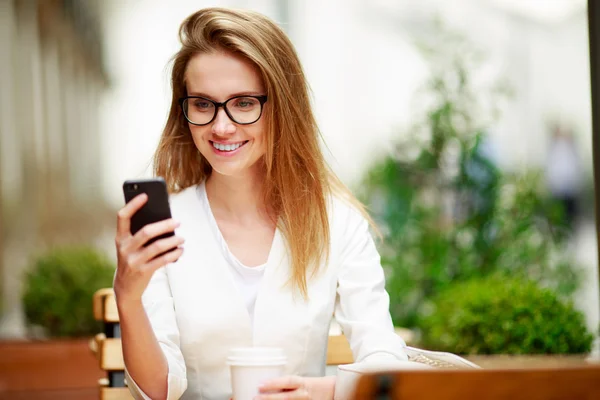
x=297, y=387
x=136, y=263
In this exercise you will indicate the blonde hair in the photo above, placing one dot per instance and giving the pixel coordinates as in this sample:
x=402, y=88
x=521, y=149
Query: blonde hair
x=298, y=181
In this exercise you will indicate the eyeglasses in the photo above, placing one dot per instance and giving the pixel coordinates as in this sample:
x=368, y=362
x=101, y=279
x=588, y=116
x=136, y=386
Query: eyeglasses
x=243, y=110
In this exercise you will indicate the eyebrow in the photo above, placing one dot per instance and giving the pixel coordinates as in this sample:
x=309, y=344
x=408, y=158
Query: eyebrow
x=244, y=93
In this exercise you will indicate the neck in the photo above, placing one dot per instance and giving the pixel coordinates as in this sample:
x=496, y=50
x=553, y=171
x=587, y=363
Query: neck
x=238, y=197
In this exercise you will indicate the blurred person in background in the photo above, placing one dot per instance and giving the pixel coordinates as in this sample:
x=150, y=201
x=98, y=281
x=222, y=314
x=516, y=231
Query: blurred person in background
x=564, y=173
x=274, y=245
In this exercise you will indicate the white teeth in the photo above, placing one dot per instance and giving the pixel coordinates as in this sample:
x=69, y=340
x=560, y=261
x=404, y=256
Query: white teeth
x=227, y=147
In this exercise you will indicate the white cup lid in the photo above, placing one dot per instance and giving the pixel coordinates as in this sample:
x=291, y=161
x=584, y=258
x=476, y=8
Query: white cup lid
x=256, y=356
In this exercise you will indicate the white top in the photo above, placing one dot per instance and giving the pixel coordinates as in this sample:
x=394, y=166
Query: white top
x=247, y=279
x=198, y=314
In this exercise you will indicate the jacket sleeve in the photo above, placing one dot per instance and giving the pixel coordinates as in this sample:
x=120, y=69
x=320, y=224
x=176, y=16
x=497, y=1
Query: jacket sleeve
x=158, y=303
x=362, y=303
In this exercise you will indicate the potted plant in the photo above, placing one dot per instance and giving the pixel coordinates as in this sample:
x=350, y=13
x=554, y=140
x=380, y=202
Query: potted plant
x=504, y=315
x=57, y=299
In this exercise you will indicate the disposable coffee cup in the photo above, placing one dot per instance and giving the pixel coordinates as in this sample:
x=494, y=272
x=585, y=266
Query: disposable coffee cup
x=252, y=366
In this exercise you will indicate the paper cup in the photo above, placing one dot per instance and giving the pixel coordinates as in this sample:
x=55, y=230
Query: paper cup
x=252, y=366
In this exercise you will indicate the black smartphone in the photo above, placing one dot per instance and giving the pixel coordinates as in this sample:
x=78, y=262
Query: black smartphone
x=156, y=208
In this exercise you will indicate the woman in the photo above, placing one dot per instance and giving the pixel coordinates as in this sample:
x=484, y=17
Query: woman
x=274, y=245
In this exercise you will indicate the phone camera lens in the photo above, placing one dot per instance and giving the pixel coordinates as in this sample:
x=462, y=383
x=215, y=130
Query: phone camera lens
x=135, y=186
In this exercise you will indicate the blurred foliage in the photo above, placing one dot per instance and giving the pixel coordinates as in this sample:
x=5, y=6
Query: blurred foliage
x=59, y=288
x=447, y=212
x=501, y=314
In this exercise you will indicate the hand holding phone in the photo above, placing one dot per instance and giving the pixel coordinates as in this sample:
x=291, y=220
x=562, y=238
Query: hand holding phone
x=156, y=208
x=145, y=237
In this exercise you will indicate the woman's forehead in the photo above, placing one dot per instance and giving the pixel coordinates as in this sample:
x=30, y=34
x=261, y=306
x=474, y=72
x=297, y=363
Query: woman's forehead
x=221, y=75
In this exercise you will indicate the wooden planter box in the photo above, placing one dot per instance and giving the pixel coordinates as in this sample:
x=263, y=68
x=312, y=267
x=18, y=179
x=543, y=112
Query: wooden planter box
x=44, y=370
x=501, y=361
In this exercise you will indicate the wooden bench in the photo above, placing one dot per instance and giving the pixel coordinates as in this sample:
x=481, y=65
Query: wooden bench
x=107, y=346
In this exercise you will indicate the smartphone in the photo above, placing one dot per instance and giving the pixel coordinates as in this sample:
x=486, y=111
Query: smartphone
x=156, y=208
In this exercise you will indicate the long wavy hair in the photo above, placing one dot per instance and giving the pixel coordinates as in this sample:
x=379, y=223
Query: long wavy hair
x=298, y=181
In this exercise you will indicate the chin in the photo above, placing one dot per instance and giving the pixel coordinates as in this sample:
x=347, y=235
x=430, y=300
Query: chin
x=229, y=170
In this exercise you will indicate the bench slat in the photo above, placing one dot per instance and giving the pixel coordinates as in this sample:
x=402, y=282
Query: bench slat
x=105, y=306
x=107, y=393
x=338, y=351
x=111, y=313
x=111, y=355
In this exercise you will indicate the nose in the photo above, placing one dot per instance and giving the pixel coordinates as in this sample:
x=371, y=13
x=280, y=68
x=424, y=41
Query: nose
x=222, y=125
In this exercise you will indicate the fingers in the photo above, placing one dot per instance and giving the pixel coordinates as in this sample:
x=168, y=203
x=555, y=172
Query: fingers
x=298, y=394
x=284, y=383
x=160, y=246
x=151, y=231
x=163, y=260
x=124, y=215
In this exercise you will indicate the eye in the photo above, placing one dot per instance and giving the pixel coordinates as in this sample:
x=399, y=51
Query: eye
x=245, y=103
x=201, y=104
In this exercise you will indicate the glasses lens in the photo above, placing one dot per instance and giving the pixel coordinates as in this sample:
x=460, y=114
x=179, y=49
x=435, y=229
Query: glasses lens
x=198, y=111
x=244, y=110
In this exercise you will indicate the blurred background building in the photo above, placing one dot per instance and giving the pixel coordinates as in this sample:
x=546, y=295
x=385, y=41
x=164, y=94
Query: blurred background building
x=69, y=138
x=52, y=79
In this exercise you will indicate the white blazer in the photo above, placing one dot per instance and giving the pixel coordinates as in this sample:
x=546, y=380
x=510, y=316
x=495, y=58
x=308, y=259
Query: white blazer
x=198, y=314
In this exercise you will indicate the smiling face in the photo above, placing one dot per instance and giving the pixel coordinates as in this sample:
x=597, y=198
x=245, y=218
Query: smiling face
x=230, y=148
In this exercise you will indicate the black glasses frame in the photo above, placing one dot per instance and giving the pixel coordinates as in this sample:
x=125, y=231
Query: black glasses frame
x=261, y=99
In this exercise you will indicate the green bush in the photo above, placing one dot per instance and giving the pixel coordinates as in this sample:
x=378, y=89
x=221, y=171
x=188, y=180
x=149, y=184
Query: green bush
x=59, y=288
x=447, y=211
x=502, y=315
